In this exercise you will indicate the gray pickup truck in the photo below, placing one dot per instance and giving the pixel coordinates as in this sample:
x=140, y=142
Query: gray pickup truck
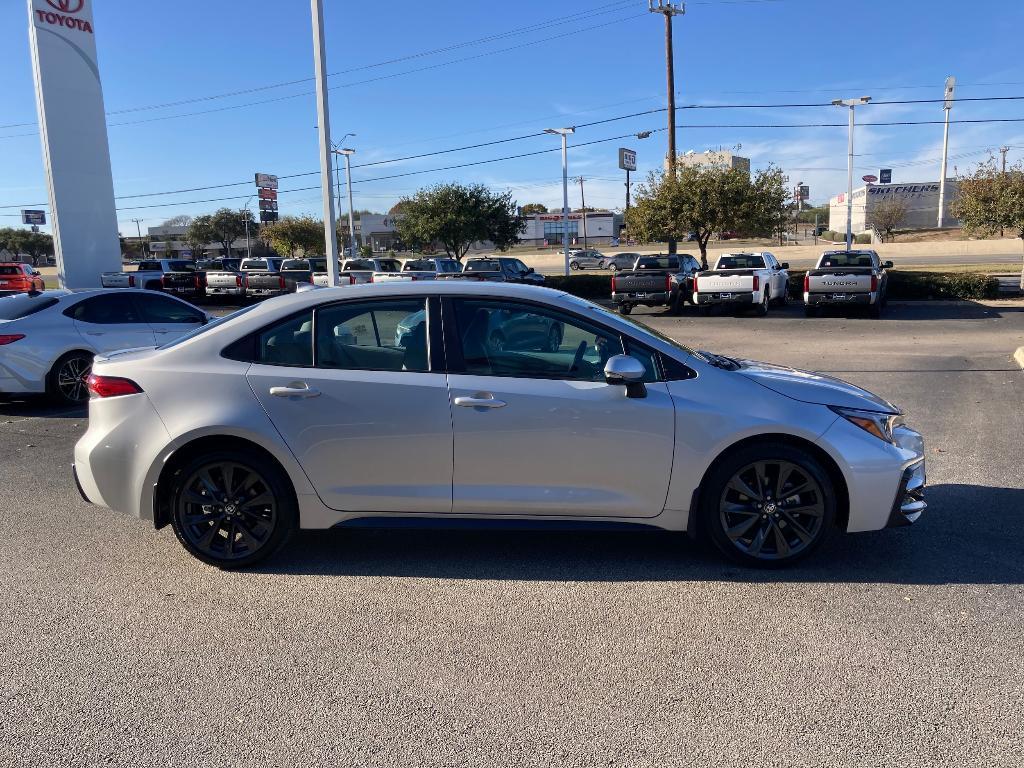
x=656, y=281
x=263, y=278
x=844, y=278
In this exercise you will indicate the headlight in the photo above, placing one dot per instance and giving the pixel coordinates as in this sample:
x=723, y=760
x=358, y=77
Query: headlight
x=880, y=425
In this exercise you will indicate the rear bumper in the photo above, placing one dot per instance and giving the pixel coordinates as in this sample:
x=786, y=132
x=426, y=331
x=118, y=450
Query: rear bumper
x=234, y=291
x=821, y=299
x=724, y=298
x=266, y=292
x=650, y=299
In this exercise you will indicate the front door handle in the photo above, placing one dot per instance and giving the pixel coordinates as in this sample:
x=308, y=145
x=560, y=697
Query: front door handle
x=479, y=402
x=295, y=389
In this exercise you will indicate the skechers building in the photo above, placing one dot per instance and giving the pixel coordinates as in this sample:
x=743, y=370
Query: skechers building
x=922, y=201
x=540, y=229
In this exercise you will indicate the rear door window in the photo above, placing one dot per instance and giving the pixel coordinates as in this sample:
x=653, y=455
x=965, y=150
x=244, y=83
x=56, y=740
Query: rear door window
x=161, y=310
x=108, y=309
x=373, y=336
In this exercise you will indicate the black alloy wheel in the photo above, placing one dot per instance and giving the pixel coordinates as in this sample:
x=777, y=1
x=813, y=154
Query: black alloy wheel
x=232, y=510
x=67, y=380
x=769, y=505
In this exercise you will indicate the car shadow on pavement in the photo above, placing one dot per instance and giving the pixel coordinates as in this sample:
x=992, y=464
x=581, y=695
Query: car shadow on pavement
x=38, y=406
x=969, y=535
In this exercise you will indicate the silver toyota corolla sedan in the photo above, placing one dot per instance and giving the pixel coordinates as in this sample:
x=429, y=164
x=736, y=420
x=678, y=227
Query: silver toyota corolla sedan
x=309, y=411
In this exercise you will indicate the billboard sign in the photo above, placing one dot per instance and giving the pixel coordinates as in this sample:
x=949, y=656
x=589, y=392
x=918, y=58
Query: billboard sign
x=33, y=217
x=803, y=192
x=869, y=178
x=73, y=133
x=627, y=159
x=266, y=193
x=266, y=181
x=268, y=205
x=885, y=176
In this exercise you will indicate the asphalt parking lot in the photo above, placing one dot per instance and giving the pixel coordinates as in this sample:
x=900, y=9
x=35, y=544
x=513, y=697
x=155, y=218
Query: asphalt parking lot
x=361, y=647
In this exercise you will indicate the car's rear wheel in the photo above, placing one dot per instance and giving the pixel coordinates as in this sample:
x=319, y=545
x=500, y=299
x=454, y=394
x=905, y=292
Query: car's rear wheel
x=66, y=383
x=232, y=509
x=762, y=308
x=574, y=265
x=768, y=505
x=613, y=267
x=875, y=310
x=625, y=309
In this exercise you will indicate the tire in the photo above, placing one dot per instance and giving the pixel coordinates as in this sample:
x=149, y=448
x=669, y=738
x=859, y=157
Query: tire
x=676, y=305
x=704, y=310
x=613, y=267
x=760, y=529
x=875, y=311
x=784, y=298
x=762, y=308
x=65, y=383
x=625, y=309
x=810, y=311
x=574, y=265
x=251, y=532
x=600, y=265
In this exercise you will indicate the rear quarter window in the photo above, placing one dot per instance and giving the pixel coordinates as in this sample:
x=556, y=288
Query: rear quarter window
x=23, y=305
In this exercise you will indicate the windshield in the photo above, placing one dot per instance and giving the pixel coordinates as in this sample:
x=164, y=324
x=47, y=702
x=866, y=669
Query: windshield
x=657, y=262
x=297, y=264
x=353, y=265
x=23, y=305
x=389, y=265
x=9, y=270
x=418, y=266
x=181, y=266
x=204, y=328
x=741, y=261
x=846, y=259
x=255, y=265
x=640, y=330
x=482, y=265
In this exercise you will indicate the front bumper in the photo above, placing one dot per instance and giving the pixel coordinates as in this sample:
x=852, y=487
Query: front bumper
x=822, y=299
x=724, y=298
x=909, y=504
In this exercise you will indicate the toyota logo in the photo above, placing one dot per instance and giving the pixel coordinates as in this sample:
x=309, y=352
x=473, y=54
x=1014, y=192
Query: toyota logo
x=66, y=6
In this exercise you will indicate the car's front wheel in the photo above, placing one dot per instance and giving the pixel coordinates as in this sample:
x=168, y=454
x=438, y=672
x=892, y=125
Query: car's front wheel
x=574, y=265
x=232, y=509
x=66, y=383
x=768, y=504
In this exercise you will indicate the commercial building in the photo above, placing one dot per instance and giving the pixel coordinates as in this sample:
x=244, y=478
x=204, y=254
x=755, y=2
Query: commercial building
x=540, y=229
x=921, y=198
x=713, y=158
x=168, y=242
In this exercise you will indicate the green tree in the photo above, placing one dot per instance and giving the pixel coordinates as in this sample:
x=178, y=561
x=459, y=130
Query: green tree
x=181, y=220
x=991, y=200
x=531, y=208
x=291, y=234
x=229, y=225
x=200, y=232
x=36, y=245
x=705, y=200
x=888, y=216
x=456, y=216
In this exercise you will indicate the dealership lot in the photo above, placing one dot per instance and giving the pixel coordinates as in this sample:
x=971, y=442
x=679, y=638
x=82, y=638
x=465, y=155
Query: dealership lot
x=468, y=648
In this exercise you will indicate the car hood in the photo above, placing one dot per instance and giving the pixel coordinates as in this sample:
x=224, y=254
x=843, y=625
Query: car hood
x=809, y=387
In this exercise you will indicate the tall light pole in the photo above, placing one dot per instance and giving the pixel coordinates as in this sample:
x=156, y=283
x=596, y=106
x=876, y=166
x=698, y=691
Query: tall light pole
x=348, y=182
x=245, y=218
x=145, y=250
x=335, y=146
x=563, y=132
x=668, y=9
x=852, y=104
x=324, y=127
x=583, y=210
x=947, y=105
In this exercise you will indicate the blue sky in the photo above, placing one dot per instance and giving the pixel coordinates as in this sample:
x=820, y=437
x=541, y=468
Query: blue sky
x=549, y=63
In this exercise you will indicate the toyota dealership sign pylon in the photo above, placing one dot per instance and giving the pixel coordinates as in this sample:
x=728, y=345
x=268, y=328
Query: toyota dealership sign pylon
x=73, y=129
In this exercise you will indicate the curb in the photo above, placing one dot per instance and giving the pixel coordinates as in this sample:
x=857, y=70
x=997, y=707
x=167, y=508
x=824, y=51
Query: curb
x=1019, y=356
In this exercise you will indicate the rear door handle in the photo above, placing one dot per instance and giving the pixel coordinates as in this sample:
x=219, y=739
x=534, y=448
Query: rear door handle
x=479, y=402
x=295, y=389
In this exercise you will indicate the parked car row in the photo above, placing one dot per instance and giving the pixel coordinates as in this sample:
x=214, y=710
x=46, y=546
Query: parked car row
x=753, y=280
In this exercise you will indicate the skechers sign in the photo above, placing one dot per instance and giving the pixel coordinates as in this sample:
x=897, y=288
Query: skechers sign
x=63, y=15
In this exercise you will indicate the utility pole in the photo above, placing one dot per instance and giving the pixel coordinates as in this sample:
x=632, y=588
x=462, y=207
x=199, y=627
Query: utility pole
x=583, y=208
x=245, y=218
x=947, y=105
x=335, y=150
x=852, y=104
x=145, y=250
x=668, y=9
x=1003, y=150
x=348, y=182
x=564, y=132
x=324, y=127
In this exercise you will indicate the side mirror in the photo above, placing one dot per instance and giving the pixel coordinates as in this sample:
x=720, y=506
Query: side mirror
x=626, y=371
x=887, y=265
x=529, y=270
x=784, y=265
x=36, y=273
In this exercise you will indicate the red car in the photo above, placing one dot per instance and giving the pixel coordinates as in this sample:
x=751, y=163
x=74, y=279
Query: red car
x=19, y=278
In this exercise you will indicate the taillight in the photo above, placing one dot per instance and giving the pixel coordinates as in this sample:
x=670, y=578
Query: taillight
x=807, y=283
x=613, y=283
x=280, y=281
x=668, y=283
x=757, y=283
x=197, y=281
x=163, y=281
x=131, y=281
x=874, y=283
x=111, y=386
x=371, y=279
x=10, y=338
x=238, y=280
x=695, y=283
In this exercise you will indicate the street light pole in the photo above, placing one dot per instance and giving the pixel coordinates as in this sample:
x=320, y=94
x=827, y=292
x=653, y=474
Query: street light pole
x=245, y=217
x=563, y=132
x=324, y=127
x=138, y=229
x=348, y=183
x=669, y=9
x=947, y=105
x=583, y=210
x=852, y=104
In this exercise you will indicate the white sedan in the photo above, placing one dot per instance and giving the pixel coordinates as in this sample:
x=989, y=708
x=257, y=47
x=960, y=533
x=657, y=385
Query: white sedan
x=315, y=415
x=48, y=339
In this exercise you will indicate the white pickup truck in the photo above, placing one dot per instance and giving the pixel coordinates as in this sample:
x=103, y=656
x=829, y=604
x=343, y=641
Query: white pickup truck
x=419, y=269
x=355, y=271
x=149, y=274
x=742, y=280
x=843, y=278
x=228, y=282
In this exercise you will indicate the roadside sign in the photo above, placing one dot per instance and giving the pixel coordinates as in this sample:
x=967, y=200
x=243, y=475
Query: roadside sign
x=268, y=205
x=33, y=217
x=885, y=176
x=266, y=193
x=869, y=178
x=804, y=192
x=627, y=159
x=266, y=180
x=266, y=216
x=950, y=89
